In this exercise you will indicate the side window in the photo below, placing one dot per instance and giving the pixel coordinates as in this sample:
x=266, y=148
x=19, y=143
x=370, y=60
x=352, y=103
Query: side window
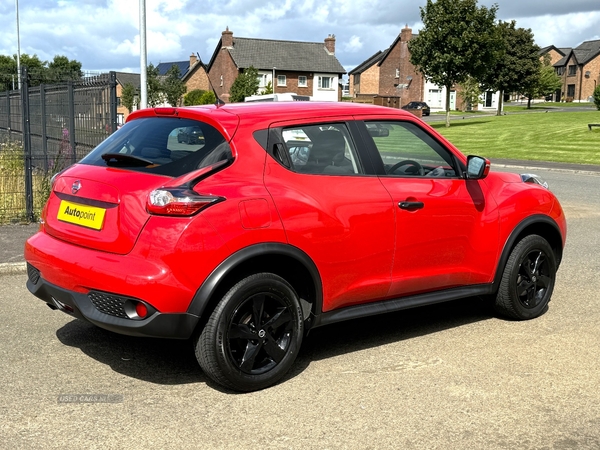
x=407, y=150
x=321, y=149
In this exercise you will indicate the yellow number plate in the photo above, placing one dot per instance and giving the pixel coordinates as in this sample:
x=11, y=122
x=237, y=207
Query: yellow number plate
x=86, y=216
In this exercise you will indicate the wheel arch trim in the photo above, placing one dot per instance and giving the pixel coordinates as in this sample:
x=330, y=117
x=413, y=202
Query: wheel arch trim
x=210, y=285
x=537, y=219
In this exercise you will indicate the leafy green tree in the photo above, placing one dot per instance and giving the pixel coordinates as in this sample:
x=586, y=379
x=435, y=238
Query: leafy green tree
x=470, y=93
x=458, y=40
x=154, y=91
x=545, y=83
x=193, y=97
x=172, y=86
x=8, y=73
x=129, y=97
x=62, y=69
x=519, y=65
x=245, y=84
x=596, y=96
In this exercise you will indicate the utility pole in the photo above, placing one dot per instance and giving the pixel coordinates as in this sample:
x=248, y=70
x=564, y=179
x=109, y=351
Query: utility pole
x=143, y=57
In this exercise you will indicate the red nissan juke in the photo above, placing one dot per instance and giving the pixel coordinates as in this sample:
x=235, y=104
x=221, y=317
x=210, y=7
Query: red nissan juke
x=277, y=218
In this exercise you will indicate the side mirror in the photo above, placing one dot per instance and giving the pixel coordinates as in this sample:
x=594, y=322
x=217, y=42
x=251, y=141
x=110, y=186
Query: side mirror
x=477, y=167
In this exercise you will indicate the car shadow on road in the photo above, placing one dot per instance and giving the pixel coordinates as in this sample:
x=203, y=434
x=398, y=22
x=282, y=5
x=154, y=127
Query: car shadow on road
x=172, y=362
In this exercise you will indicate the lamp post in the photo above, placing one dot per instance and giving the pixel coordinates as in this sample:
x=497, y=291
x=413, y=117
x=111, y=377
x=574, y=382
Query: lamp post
x=18, y=47
x=143, y=57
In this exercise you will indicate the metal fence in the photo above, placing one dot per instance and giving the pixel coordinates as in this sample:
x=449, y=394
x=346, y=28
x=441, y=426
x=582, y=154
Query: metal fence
x=44, y=129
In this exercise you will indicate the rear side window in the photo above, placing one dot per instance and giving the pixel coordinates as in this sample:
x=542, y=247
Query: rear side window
x=321, y=149
x=161, y=145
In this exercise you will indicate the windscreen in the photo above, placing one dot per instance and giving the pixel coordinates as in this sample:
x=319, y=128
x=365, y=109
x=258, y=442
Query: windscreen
x=161, y=145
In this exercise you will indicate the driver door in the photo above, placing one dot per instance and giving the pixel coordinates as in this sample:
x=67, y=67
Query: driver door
x=445, y=230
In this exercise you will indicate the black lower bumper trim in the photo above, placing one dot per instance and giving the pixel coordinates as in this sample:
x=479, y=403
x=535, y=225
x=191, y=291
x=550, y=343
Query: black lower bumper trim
x=160, y=325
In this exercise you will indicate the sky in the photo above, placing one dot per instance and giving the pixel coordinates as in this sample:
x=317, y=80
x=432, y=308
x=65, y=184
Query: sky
x=104, y=34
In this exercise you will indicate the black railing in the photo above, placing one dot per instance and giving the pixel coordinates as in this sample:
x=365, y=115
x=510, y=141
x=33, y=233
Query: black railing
x=44, y=129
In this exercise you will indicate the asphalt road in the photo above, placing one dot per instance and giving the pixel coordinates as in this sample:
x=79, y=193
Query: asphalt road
x=451, y=376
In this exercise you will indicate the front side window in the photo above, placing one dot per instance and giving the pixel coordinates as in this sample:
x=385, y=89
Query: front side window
x=281, y=80
x=407, y=150
x=262, y=80
x=162, y=145
x=572, y=70
x=571, y=90
x=302, y=81
x=325, y=149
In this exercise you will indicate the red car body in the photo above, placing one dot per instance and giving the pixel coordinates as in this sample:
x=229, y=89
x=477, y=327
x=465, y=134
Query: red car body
x=348, y=244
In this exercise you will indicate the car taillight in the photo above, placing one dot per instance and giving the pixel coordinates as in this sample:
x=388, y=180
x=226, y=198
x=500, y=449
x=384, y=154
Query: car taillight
x=178, y=202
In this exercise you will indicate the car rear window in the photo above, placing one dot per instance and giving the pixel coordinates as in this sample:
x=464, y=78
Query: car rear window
x=161, y=145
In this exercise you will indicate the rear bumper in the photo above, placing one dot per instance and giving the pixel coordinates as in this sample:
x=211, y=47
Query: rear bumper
x=79, y=305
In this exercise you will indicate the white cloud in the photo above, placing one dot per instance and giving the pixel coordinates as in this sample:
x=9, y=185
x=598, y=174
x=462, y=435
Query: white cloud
x=353, y=45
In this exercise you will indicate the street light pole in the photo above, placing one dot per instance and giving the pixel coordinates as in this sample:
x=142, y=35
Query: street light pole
x=18, y=47
x=143, y=57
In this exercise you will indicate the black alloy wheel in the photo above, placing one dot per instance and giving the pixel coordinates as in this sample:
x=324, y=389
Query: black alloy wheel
x=253, y=336
x=528, y=279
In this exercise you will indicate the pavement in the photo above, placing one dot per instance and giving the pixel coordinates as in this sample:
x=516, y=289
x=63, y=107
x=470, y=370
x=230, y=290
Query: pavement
x=13, y=236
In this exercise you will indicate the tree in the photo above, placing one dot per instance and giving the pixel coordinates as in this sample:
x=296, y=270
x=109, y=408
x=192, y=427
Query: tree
x=172, y=86
x=519, y=65
x=596, y=96
x=545, y=83
x=8, y=73
x=62, y=69
x=154, y=88
x=129, y=96
x=470, y=92
x=193, y=97
x=245, y=84
x=459, y=40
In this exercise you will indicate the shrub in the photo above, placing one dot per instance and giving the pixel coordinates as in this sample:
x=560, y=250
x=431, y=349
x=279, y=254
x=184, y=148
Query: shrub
x=596, y=96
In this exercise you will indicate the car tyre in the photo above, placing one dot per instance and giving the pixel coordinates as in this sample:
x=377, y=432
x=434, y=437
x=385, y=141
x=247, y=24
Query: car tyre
x=528, y=280
x=254, y=334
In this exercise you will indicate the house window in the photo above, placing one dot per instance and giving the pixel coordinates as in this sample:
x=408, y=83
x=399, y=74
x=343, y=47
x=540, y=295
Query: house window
x=571, y=90
x=325, y=82
x=397, y=73
x=560, y=70
x=302, y=81
x=262, y=80
x=572, y=70
x=281, y=80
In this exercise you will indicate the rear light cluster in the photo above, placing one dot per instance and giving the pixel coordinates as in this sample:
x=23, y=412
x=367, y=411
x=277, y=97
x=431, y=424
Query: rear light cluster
x=178, y=202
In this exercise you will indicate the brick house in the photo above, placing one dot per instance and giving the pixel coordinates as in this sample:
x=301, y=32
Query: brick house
x=579, y=69
x=304, y=68
x=391, y=74
x=193, y=72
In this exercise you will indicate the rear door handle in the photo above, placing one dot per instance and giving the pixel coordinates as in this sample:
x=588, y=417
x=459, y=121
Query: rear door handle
x=411, y=205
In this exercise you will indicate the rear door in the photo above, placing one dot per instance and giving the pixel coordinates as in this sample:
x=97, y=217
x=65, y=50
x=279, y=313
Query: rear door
x=331, y=209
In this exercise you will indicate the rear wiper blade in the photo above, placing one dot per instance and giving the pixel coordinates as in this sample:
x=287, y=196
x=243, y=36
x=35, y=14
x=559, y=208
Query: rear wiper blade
x=122, y=158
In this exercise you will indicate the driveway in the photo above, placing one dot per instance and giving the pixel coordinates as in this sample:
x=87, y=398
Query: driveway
x=449, y=376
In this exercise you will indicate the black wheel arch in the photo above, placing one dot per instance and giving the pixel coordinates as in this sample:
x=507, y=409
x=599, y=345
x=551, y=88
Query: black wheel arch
x=539, y=224
x=285, y=260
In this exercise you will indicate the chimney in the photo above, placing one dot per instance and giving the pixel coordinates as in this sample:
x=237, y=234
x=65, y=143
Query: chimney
x=193, y=59
x=330, y=43
x=405, y=34
x=227, y=38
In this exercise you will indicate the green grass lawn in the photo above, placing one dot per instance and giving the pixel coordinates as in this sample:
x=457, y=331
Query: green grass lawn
x=553, y=136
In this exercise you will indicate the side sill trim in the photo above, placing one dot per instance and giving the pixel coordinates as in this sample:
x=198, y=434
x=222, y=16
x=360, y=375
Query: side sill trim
x=398, y=304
